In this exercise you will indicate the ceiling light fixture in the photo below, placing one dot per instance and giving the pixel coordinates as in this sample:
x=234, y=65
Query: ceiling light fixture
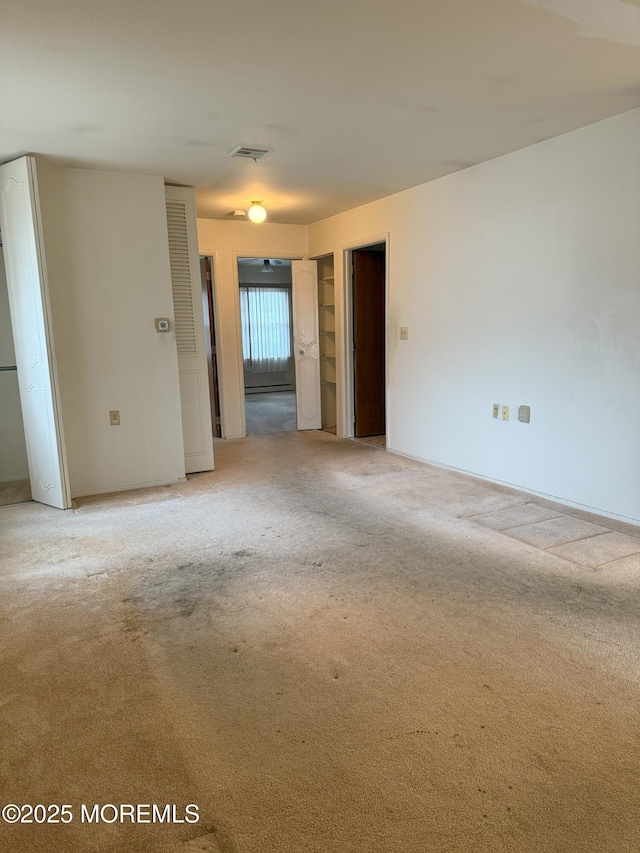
x=266, y=266
x=257, y=212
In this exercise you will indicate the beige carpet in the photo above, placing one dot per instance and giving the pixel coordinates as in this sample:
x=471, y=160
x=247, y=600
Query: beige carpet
x=373, y=440
x=325, y=647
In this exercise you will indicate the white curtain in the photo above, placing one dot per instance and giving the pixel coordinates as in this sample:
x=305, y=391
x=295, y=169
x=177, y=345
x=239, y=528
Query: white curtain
x=266, y=334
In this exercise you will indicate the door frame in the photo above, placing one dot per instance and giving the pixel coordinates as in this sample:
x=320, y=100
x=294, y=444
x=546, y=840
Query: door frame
x=209, y=299
x=348, y=400
x=284, y=256
x=49, y=355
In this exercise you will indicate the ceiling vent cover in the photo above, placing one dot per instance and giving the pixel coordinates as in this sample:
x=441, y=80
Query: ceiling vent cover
x=250, y=153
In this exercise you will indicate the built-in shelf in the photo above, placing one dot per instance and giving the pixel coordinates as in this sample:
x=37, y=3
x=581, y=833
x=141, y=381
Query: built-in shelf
x=327, y=324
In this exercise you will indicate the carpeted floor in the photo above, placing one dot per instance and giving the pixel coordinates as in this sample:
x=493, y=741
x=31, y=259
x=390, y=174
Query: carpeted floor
x=327, y=648
x=373, y=440
x=273, y=411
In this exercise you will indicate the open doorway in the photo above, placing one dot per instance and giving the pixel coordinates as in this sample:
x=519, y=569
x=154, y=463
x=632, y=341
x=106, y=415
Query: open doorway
x=267, y=344
x=368, y=313
x=211, y=338
x=15, y=486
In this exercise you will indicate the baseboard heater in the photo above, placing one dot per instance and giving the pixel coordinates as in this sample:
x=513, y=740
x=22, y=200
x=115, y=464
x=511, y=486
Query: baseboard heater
x=264, y=389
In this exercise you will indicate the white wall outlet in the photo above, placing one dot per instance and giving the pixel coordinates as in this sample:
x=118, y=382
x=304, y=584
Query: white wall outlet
x=505, y=413
x=114, y=417
x=404, y=333
x=524, y=414
x=496, y=410
x=163, y=324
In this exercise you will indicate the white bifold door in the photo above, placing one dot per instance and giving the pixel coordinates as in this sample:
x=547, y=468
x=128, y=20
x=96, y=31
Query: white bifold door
x=304, y=278
x=32, y=333
x=197, y=428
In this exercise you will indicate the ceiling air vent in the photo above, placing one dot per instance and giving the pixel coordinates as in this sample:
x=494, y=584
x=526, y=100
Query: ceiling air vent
x=250, y=153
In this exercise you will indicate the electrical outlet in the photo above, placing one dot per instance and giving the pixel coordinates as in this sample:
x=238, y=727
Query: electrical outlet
x=524, y=414
x=505, y=413
x=114, y=417
x=496, y=410
x=404, y=333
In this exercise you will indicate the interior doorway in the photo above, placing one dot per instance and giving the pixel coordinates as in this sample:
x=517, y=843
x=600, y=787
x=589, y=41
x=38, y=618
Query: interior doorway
x=266, y=317
x=211, y=337
x=368, y=314
x=15, y=485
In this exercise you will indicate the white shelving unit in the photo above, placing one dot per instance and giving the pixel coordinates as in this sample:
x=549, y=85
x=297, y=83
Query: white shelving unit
x=327, y=321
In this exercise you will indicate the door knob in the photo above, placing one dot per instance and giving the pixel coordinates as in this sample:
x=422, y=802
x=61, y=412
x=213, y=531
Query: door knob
x=301, y=351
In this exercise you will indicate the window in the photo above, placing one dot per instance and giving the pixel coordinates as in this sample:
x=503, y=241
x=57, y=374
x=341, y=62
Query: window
x=266, y=330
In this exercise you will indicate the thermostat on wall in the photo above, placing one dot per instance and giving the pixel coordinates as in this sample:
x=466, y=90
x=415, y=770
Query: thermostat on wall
x=162, y=324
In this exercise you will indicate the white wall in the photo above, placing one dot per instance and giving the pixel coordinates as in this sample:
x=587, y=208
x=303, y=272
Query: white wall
x=107, y=255
x=226, y=242
x=519, y=280
x=13, y=450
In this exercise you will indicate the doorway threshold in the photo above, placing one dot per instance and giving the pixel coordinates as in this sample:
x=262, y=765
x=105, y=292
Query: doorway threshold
x=373, y=441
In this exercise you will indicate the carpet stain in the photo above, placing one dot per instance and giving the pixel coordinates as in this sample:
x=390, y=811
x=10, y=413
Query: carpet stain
x=206, y=843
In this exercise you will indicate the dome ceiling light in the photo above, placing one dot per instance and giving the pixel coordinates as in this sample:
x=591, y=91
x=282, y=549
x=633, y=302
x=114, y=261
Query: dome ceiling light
x=257, y=212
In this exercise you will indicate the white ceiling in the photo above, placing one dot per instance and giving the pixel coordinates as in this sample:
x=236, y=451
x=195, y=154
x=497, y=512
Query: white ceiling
x=358, y=99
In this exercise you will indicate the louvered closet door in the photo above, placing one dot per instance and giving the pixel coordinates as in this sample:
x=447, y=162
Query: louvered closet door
x=189, y=329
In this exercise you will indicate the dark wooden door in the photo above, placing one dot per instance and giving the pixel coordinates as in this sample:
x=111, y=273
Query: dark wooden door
x=369, y=341
x=210, y=334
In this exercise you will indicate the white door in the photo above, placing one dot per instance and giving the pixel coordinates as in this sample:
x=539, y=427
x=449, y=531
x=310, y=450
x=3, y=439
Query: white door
x=32, y=335
x=193, y=368
x=304, y=277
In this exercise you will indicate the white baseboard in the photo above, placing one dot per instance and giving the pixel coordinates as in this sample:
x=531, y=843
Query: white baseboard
x=554, y=498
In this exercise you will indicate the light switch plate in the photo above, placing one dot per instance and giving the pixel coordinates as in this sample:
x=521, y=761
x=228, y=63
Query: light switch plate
x=496, y=410
x=505, y=413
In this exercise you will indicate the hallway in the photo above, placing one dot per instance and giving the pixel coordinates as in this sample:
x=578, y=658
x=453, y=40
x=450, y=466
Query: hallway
x=328, y=649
